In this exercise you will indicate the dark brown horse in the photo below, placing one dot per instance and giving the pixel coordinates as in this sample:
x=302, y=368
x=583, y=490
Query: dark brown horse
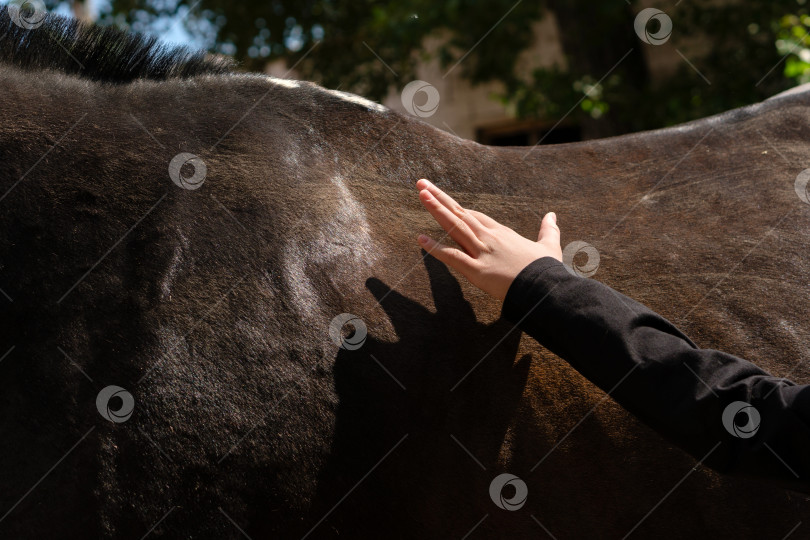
x=211, y=309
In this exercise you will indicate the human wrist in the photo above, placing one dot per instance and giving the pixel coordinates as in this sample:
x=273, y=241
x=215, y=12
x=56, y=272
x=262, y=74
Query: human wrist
x=517, y=300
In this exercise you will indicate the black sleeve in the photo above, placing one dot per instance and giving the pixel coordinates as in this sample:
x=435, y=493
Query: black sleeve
x=723, y=410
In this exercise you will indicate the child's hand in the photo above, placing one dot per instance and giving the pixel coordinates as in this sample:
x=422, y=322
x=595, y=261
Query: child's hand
x=493, y=254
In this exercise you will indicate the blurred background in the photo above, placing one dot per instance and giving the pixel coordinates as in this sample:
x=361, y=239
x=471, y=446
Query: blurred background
x=507, y=71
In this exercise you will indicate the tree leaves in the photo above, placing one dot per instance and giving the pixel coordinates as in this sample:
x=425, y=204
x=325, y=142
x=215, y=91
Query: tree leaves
x=370, y=47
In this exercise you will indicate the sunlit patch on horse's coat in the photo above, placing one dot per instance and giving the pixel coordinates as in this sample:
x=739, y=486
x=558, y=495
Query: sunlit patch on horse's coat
x=286, y=83
x=359, y=100
x=341, y=243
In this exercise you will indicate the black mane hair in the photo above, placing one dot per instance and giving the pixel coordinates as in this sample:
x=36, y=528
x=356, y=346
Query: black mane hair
x=100, y=53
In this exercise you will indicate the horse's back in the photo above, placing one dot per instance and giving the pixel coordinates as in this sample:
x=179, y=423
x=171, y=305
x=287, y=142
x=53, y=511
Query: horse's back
x=212, y=308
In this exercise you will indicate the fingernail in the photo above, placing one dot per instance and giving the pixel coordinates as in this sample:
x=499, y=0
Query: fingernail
x=422, y=239
x=554, y=217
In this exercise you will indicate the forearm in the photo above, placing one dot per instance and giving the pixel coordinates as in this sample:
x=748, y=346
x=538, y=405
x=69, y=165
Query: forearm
x=657, y=373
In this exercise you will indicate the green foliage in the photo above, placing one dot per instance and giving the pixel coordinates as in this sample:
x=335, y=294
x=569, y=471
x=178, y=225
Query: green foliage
x=350, y=33
x=732, y=45
x=794, y=43
x=737, y=46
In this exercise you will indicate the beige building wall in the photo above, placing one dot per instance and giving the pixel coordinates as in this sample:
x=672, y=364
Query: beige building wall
x=463, y=109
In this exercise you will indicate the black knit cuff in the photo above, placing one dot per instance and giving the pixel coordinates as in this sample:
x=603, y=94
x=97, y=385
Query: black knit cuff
x=522, y=296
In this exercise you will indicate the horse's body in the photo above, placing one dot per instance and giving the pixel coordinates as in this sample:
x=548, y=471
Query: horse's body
x=212, y=307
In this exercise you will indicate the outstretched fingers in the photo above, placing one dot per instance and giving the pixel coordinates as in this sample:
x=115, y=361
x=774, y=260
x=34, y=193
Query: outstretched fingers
x=484, y=219
x=456, y=227
x=452, y=257
x=461, y=225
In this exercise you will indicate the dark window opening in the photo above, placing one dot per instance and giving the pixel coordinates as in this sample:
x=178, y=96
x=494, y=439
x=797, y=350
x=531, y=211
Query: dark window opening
x=528, y=133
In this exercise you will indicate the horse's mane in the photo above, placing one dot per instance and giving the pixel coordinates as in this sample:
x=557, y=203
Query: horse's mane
x=99, y=53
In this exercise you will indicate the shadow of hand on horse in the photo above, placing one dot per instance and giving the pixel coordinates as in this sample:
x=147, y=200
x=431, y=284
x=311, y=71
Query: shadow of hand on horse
x=432, y=391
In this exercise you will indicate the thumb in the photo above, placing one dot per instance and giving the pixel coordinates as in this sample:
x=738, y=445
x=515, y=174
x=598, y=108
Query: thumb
x=549, y=231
